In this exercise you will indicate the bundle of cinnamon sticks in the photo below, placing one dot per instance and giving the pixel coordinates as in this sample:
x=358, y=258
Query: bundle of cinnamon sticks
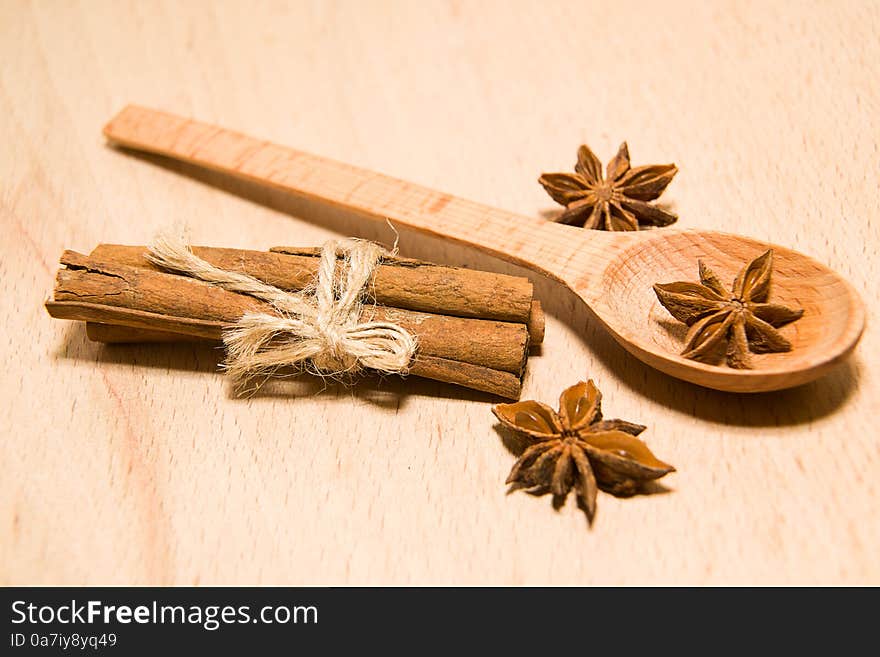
x=474, y=328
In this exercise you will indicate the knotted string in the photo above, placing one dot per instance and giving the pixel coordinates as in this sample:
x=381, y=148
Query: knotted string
x=318, y=330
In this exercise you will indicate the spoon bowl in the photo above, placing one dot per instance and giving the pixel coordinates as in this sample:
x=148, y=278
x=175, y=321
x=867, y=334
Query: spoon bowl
x=613, y=273
x=624, y=300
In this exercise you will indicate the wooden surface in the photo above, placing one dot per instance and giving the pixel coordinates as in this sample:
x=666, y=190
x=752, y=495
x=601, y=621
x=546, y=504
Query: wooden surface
x=137, y=465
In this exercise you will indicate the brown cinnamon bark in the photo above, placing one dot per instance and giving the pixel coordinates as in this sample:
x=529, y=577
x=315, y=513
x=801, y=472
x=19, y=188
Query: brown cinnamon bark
x=93, y=289
x=496, y=382
x=398, y=282
x=468, y=300
x=535, y=323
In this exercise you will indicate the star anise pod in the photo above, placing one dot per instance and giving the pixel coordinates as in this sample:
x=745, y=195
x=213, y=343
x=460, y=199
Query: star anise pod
x=617, y=201
x=575, y=447
x=742, y=319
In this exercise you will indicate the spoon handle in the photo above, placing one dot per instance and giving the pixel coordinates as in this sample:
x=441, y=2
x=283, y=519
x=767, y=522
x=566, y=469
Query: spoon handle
x=543, y=246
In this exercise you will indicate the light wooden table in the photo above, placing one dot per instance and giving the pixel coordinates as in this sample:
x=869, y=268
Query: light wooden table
x=137, y=465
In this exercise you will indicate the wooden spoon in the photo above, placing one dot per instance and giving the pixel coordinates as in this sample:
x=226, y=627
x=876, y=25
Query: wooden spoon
x=611, y=272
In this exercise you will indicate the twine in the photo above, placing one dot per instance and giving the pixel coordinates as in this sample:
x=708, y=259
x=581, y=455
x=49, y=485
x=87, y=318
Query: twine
x=317, y=330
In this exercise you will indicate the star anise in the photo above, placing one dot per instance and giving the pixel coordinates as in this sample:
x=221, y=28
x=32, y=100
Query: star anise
x=575, y=447
x=742, y=319
x=617, y=201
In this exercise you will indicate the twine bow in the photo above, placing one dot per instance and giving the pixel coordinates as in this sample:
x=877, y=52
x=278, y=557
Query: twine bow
x=318, y=329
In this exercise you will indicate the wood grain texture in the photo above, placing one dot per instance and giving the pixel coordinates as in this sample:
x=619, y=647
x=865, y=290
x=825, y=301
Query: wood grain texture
x=137, y=465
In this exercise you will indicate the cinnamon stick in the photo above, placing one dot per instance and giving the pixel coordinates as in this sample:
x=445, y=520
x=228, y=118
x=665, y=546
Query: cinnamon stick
x=93, y=289
x=398, y=282
x=503, y=384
